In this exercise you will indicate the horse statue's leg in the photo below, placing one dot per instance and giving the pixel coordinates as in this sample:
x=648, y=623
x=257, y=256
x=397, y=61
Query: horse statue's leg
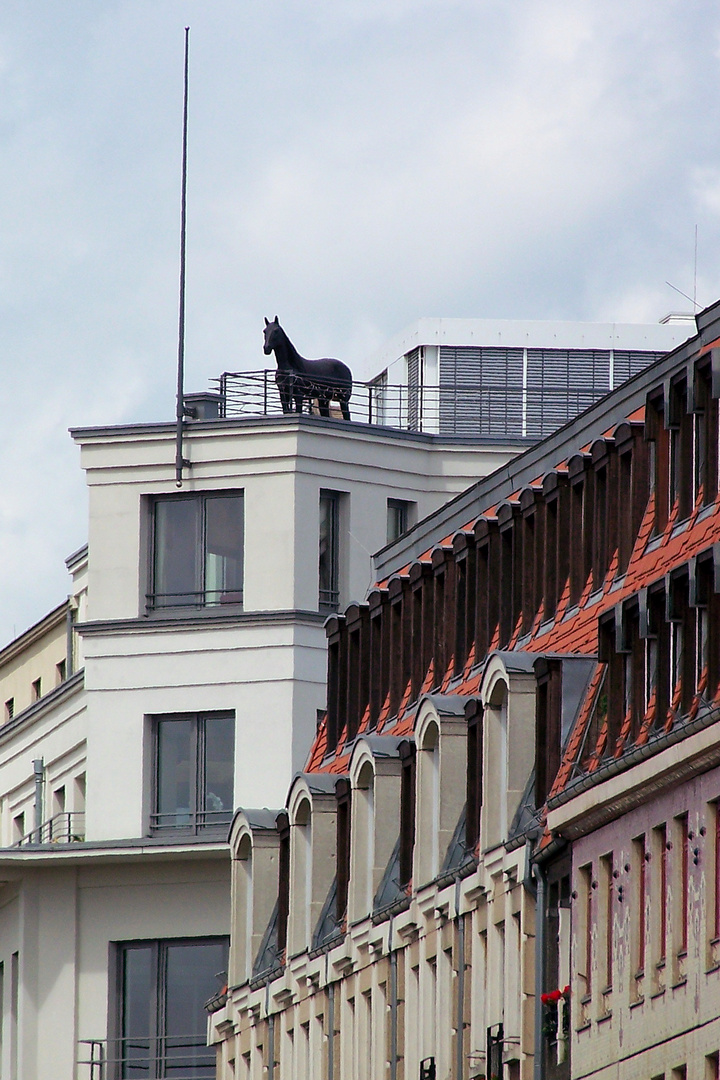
x=284, y=389
x=324, y=405
x=345, y=408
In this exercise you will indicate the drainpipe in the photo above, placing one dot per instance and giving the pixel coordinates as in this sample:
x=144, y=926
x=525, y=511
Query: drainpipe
x=271, y=1046
x=539, y=875
x=393, y=1005
x=461, y=982
x=39, y=771
x=69, y=650
x=331, y=1029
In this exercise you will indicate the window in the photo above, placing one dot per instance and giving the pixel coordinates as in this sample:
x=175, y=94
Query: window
x=637, y=916
x=398, y=518
x=585, y=932
x=194, y=767
x=197, y=550
x=406, y=751
x=658, y=907
x=344, y=797
x=37, y=689
x=607, y=896
x=329, y=552
x=163, y=986
x=680, y=888
x=9, y=709
x=60, y=672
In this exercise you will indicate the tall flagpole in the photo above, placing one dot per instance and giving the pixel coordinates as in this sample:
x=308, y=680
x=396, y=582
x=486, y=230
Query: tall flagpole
x=180, y=410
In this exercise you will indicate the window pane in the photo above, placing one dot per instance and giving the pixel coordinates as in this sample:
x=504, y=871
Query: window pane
x=328, y=553
x=136, y=1049
x=219, y=769
x=224, y=549
x=190, y=980
x=175, y=773
x=175, y=572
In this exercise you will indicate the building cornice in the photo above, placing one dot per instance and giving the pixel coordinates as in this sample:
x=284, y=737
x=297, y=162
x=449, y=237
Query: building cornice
x=207, y=620
x=34, y=633
x=286, y=424
x=47, y=702
x=111, y=851
x=638, y=776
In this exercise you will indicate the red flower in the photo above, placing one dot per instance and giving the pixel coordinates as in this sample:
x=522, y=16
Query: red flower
x=552, y=997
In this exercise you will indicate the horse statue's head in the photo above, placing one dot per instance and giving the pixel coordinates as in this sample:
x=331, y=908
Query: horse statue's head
x=272, y=334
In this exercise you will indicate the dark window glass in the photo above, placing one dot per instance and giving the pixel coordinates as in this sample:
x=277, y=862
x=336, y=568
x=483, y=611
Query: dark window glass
x=194, y=769
x=328, y=568
x=398, y=518
x=138, y=991
x=164, y=985
x=198, y=551
x=175, y=771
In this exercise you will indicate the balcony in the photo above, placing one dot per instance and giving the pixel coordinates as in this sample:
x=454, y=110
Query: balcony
x=182, y=1057
x=65, y=828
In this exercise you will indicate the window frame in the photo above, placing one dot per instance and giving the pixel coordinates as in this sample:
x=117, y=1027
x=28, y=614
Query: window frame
x=157, y=1005
x=329, y=596
x=194, y=826
x=400, y=514
x=227, y=599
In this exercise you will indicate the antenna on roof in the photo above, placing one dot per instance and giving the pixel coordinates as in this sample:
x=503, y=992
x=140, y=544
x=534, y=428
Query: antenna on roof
x=180, y=407
x=693, y=298
x=695, y=274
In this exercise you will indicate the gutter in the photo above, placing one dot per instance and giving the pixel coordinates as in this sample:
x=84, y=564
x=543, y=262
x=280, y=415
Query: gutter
x=539, y=875
x=706, y=718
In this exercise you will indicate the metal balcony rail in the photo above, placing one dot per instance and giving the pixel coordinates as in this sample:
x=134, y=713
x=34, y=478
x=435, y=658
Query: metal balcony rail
x=182, y=1057
x=65, y=828
x=201, y=599
x=482, y=410
x=184, y=819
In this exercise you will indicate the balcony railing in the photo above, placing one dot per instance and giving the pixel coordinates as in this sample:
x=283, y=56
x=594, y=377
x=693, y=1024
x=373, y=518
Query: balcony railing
x=185, y=820
x=203, y=599
x=182, y=1057
x=65, y=828
x=482, y=410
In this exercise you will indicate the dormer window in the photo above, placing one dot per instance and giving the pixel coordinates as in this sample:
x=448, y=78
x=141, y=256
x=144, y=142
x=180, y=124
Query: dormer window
x=197, y=550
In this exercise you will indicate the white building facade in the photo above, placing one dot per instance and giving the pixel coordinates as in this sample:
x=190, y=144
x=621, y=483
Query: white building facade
x=198, y=669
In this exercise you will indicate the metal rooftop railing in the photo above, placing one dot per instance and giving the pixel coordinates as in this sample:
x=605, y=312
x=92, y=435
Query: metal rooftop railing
x=471, y=411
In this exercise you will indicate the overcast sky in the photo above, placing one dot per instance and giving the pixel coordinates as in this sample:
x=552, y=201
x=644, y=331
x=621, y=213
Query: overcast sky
x=354, y=165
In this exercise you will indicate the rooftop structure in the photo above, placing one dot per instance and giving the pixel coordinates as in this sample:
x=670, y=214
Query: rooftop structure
x=484, y=378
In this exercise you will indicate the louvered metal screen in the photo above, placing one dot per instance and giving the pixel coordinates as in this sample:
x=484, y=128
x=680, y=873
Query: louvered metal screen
x=561, y=383
x=481, y=391
x=629, y=363
x=414, y=417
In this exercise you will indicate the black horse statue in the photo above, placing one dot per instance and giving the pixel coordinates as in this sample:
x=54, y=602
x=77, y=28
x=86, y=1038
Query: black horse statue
x=299, y=379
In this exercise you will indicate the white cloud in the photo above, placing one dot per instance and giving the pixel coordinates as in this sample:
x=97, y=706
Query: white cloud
x=353, y=165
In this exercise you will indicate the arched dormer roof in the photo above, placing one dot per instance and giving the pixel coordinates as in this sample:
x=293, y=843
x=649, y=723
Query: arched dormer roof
x=309, y=786
x=370, y=749
x=501, y=666
x=248, y=822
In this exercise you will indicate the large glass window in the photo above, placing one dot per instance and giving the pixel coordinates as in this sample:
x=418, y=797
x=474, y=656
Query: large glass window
x=197, y=550
x=329, y=552
x=162, y=1021
x=194, y=768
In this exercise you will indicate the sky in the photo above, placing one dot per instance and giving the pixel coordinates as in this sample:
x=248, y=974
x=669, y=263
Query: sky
x=354, y=165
